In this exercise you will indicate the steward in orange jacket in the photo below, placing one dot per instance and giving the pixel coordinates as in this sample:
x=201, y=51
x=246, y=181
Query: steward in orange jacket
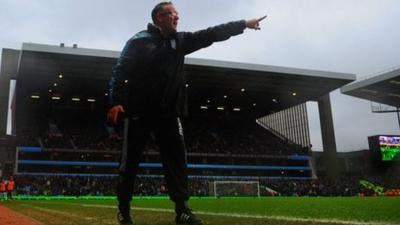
x=3, y=190
x=10, y=188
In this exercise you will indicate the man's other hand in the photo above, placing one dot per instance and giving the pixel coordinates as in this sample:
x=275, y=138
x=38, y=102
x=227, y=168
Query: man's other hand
x=114, y=112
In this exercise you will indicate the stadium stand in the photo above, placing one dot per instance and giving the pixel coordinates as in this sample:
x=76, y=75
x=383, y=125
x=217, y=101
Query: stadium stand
x=75, y=152
x=65, y=147
x=223, y=138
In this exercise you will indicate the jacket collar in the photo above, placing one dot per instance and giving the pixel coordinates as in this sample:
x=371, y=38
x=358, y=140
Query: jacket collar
x=152, y=28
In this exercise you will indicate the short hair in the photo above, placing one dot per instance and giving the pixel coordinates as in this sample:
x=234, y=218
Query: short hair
x=159, y=7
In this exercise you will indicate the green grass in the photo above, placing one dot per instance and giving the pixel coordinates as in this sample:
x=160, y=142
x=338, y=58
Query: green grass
x=223, y=211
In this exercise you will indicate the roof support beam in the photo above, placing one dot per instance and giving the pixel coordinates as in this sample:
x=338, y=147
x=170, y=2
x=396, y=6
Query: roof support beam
x=9, y=68
x=328, y=136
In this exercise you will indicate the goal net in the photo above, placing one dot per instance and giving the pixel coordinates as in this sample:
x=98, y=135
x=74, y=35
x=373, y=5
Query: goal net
x=235, y=188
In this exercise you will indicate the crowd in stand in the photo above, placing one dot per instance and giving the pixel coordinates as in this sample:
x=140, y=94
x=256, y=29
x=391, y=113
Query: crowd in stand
x=318, y=187
x=155, y=186
x=220, y=135
x=95, y=186
x=228, y=135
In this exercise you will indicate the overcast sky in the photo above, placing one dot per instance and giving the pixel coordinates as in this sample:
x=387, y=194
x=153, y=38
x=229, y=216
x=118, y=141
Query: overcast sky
x=351, y=36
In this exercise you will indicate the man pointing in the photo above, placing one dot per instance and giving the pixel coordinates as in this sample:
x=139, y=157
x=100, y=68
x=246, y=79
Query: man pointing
x=148, y=86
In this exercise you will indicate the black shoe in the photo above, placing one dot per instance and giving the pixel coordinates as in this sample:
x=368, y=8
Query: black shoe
x=186, y=217
x=125, y=219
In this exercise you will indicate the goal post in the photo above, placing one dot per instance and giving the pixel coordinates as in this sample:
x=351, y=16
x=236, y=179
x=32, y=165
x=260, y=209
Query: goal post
x=235, y=188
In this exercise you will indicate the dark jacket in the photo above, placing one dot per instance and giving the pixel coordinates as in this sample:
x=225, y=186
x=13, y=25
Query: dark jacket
x=153, y=68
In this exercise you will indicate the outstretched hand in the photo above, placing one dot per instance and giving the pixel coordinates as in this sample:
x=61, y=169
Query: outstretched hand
x=255, y=23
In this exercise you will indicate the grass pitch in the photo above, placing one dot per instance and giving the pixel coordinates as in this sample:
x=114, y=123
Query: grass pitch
x=221, y=211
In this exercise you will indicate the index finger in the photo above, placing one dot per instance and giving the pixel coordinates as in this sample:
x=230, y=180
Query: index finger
x=261, y=18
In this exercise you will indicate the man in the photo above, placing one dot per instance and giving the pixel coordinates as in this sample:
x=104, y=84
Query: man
x=148, y=86
x=10, y=188
x=3, y=191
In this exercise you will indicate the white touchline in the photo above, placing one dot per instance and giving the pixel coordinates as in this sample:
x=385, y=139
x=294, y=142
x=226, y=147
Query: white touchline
x=68, y=214
x=285, y=218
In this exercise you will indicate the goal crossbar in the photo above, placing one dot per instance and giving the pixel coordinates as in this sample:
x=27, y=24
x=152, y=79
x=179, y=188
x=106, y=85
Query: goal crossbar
x=238, y=184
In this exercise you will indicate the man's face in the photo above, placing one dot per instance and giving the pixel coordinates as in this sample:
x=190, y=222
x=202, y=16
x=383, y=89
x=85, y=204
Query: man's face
x=168, y=19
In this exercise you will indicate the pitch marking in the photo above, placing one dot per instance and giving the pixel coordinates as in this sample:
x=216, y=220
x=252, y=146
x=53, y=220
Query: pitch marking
x=236, y=215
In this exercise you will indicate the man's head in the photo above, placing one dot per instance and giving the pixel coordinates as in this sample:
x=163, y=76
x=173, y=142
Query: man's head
x=166, y=17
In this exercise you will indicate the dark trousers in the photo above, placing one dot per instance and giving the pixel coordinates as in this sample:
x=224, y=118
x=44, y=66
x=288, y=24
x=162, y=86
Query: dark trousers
x=10, y=194
x=168, y=133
